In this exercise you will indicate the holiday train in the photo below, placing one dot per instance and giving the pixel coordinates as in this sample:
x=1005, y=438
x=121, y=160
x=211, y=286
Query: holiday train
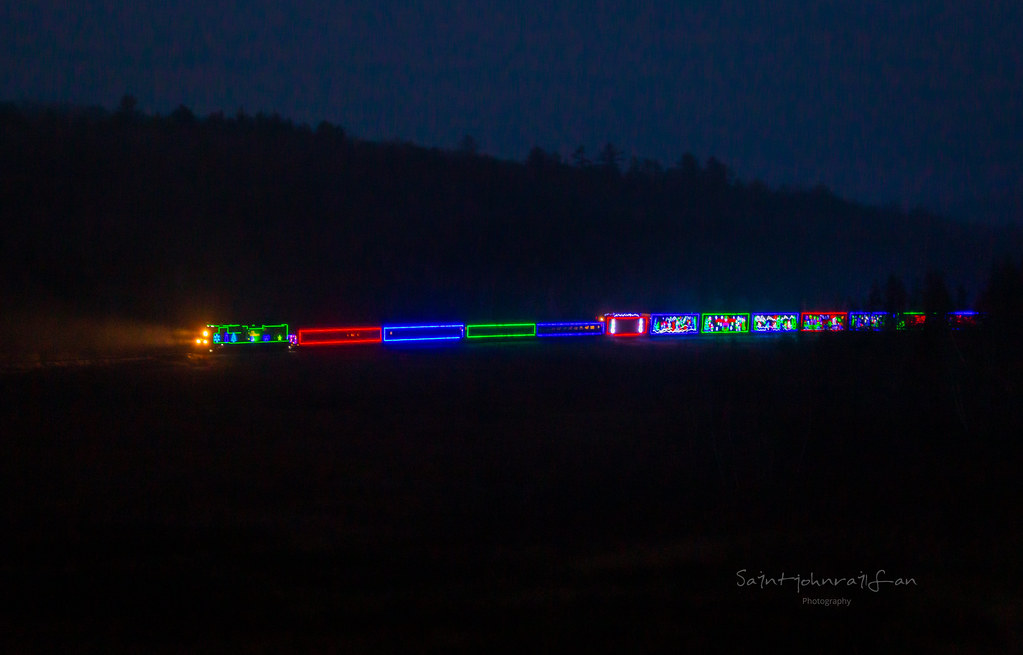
x=615, y=325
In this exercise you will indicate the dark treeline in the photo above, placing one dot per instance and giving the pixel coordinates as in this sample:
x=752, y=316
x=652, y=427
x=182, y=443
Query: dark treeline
x=254, y=218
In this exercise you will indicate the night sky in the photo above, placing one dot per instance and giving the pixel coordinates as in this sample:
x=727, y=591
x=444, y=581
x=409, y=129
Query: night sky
x=913, y=103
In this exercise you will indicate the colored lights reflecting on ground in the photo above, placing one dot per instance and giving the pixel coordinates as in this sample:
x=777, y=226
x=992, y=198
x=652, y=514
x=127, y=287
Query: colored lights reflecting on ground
x=236, y=334
x=500, y=330
x=626, y=325
x=868, y=321
x=339, y=336
x=404, y=333
x=595, y=328
x=724, y=323
x=822, y=321
x=776, y=322
x=674, y=324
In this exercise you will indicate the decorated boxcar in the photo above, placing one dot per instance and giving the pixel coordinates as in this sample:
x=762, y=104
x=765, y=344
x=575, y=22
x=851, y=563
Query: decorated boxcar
x=674, y=325
x=724, y=323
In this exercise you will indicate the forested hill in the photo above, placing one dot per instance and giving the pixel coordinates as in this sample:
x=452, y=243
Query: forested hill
x=245, y=218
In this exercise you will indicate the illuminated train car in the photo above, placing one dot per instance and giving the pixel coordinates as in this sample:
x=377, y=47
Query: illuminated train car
x=674, y=325
x=775, y=323
x=626, y=325
x=868, y=321
x=910, y=321
x=587, y=329
x=724, y=323
x=235, y=335
x=822, y=321
x=500, y=331
x=339, y=336
x=964, y=320
x=409, y=334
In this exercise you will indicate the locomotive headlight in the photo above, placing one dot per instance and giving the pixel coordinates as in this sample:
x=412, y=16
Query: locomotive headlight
x=206, y=333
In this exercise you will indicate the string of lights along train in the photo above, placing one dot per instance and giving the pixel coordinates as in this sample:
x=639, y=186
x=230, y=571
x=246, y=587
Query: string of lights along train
x=611, y=325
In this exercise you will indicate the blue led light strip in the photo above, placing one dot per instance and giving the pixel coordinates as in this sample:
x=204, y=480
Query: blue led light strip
x=402, y=333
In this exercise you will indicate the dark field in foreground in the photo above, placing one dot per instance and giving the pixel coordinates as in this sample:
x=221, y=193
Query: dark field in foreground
x=528, y=496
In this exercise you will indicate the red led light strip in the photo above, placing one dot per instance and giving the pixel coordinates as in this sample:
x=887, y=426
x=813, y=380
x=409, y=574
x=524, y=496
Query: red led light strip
x=339, y=336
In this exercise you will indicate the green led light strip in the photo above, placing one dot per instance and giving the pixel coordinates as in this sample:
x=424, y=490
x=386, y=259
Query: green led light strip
x=500, y=331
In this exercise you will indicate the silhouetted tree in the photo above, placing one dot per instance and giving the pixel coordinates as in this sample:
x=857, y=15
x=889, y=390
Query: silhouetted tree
x=717, y=174
x=330, y=132
x=183, y=116
x=688, y=166
x=242, y=119
x=538, y=159
x=610, y=158
x=128, y=105
x=645, y=168
x=127, y=110
x=579, y=157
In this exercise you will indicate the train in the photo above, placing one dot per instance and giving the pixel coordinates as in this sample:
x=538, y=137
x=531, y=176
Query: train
x=615, y=325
